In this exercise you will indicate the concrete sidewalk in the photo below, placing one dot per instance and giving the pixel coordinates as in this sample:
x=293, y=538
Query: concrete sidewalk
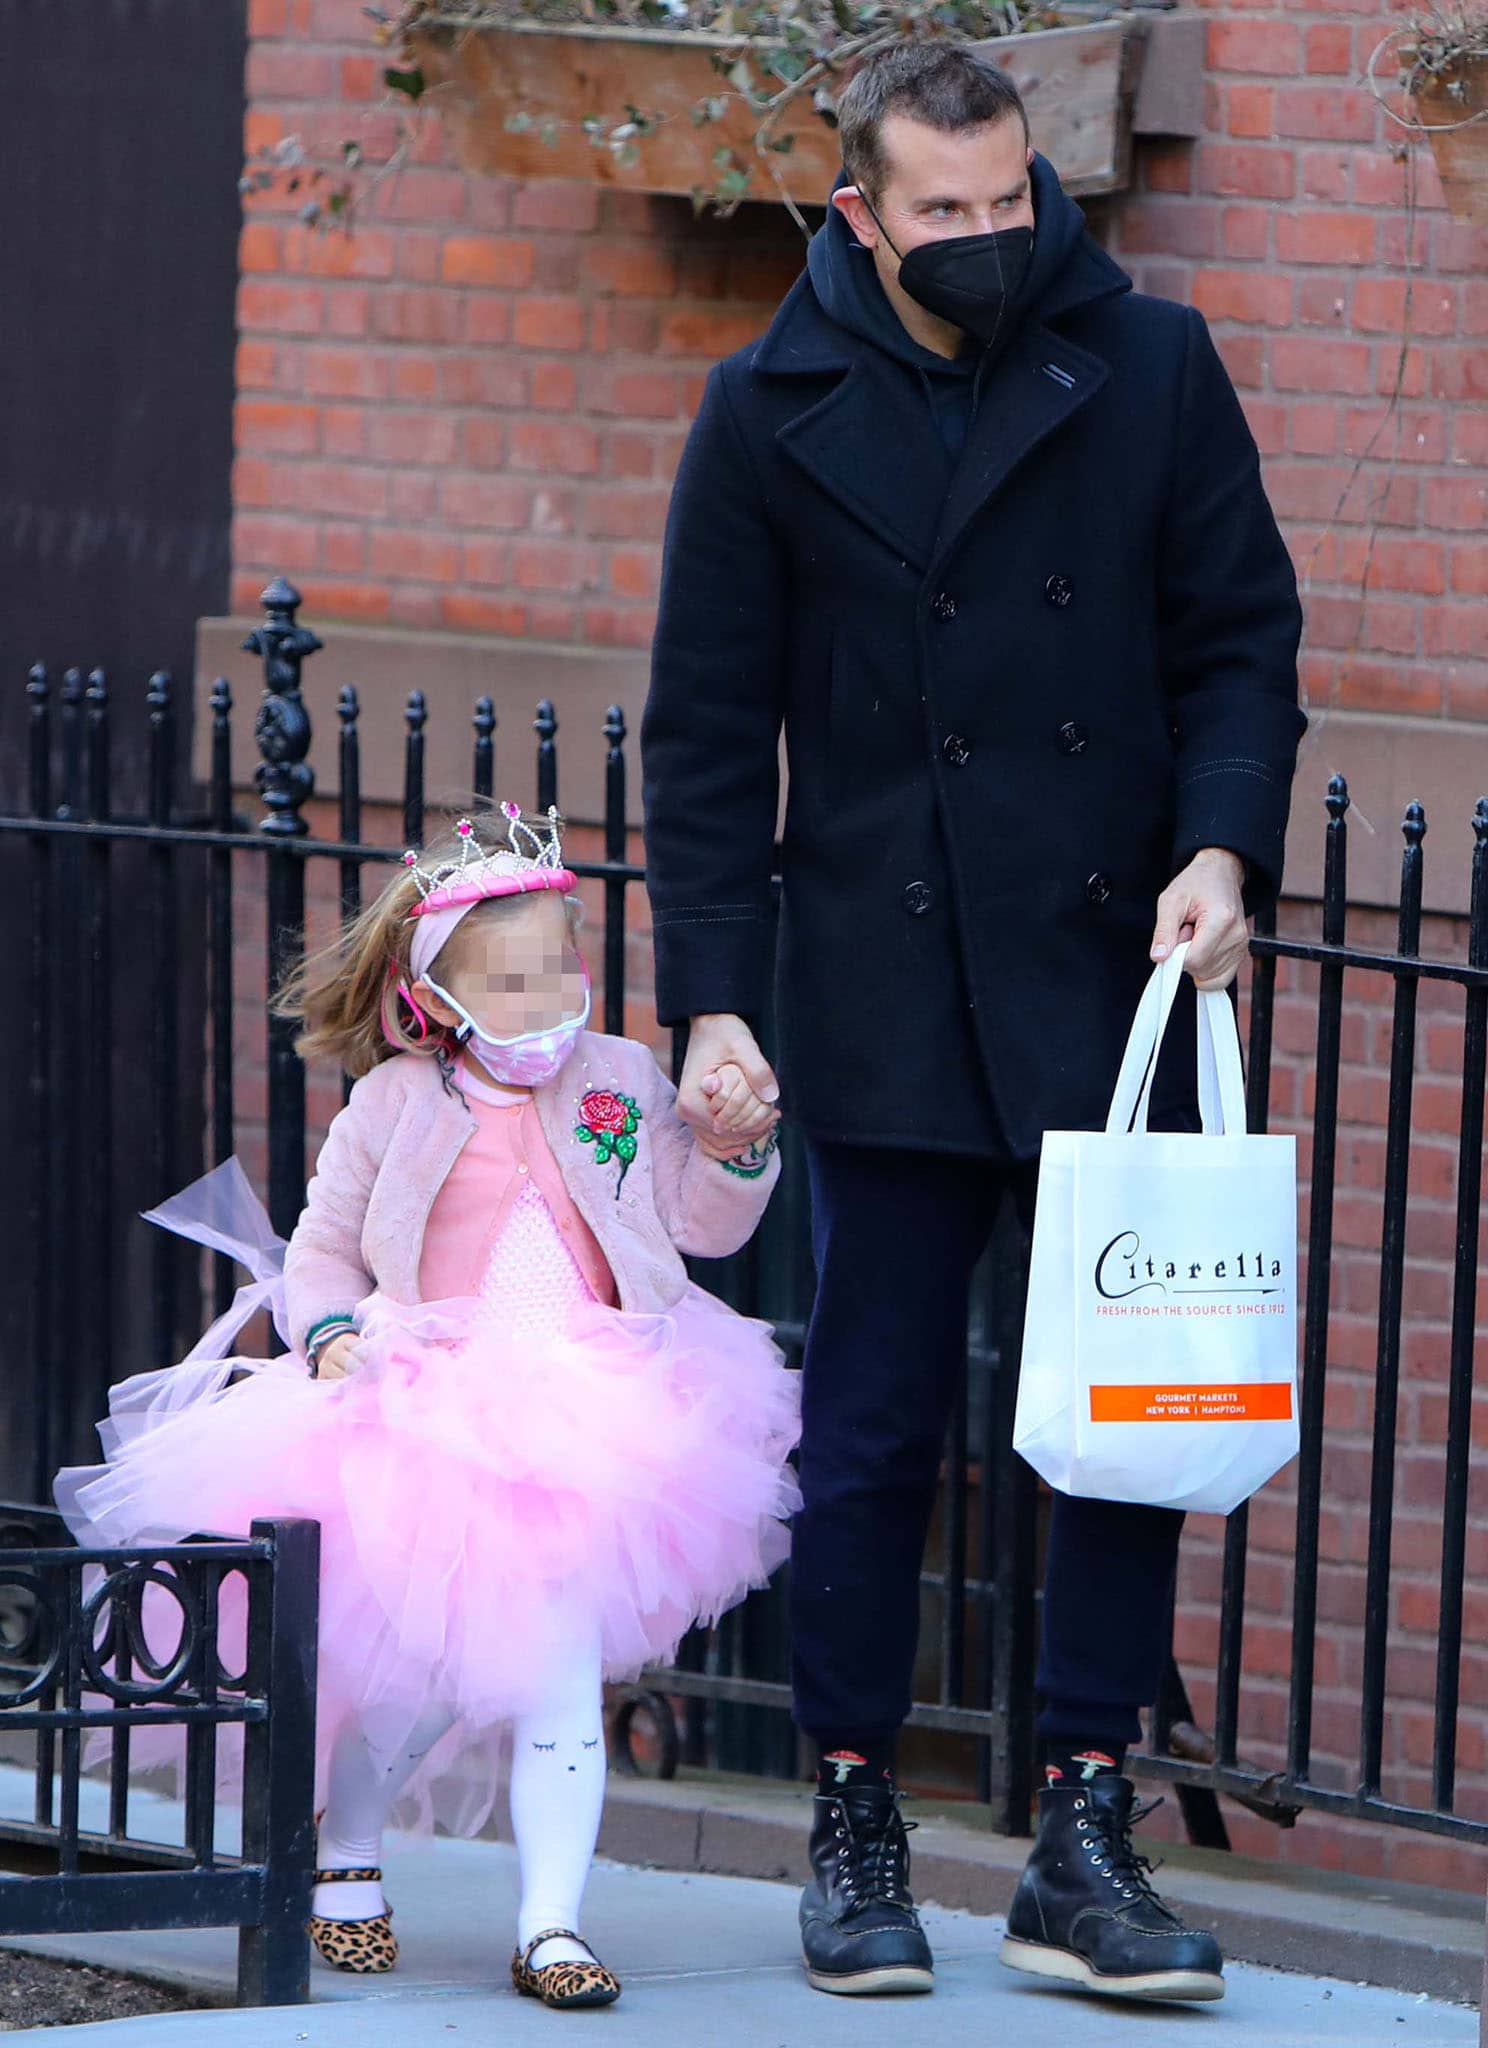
x=708, y=1962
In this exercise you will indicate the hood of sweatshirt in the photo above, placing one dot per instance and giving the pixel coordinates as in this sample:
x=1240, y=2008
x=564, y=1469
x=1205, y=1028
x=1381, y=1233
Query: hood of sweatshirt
x=848, y=291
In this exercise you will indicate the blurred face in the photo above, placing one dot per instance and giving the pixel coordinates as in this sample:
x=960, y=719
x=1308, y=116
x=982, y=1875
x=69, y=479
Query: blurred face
x=513, y=965
x=939, y=186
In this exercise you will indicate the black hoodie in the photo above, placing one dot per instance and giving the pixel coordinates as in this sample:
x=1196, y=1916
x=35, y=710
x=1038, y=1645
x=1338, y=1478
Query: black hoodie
x=848, y=292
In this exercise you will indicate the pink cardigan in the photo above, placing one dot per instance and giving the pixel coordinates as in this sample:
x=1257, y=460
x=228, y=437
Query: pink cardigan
x=387, y=1155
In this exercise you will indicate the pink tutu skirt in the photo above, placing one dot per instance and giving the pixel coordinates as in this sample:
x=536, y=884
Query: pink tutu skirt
x=477, y=1498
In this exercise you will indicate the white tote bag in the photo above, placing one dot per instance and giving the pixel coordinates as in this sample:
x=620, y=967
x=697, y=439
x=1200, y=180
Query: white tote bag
x=1160, y=1349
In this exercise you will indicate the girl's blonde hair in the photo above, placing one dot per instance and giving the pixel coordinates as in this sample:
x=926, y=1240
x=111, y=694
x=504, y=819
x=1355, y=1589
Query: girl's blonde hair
x=346, y=993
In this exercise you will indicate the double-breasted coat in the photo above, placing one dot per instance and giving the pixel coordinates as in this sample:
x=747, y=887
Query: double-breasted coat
x=1019, y=687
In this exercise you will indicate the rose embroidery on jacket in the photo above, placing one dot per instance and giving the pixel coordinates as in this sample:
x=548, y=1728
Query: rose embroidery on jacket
x=609, y=1121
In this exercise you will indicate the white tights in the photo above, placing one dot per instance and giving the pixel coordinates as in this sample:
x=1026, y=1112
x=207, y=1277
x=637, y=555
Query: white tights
x=557, y=1796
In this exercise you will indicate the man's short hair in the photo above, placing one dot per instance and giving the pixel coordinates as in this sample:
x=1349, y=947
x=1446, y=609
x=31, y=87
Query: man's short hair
x=945, y=85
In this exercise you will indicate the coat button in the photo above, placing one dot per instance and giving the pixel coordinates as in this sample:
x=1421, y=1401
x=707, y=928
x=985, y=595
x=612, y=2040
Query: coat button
x=1098, y=889
x=956, y=749
x=1059, y=590
x=1073, y=739
x=918, y=898
x=944, y=606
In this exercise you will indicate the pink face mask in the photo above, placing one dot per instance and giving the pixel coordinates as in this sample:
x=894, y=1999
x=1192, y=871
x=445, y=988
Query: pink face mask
x=531, y=1057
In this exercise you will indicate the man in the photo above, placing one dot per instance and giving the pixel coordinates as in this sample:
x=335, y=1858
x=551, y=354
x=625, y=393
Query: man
x=984, y=530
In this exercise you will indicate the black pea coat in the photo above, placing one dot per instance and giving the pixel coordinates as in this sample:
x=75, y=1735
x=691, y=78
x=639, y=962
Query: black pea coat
x=1019, y=691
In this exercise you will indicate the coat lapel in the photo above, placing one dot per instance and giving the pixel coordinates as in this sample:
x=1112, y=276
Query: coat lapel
x=881, y=460
x=558, y=1100
x=1039, y=385
x=870, y=442
x=881, y=457
x=444, y=1125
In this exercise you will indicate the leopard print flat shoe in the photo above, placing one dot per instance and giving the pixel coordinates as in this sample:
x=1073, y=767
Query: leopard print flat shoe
x=564, y=1985
x=368, y=1948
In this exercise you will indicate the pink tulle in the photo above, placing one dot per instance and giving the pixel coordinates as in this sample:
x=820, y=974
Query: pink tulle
x=474, y=1479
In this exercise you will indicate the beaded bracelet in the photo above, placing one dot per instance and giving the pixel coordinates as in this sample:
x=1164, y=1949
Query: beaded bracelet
x=751, y=1164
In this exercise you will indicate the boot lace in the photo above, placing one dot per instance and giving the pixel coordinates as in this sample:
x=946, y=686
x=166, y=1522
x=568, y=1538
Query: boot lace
x=873, y=1858
x=1115, y=1855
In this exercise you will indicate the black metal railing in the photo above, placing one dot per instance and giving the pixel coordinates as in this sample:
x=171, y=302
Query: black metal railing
x=1293, y=1785
x=980, y=1586
x=120, y=1645
x=979, y=1600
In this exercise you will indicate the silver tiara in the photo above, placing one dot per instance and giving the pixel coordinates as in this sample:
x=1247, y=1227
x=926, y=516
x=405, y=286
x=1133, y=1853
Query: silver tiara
x=530, y=843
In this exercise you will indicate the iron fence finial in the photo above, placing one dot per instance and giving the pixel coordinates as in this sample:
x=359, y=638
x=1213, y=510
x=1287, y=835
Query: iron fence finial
x=284, y=778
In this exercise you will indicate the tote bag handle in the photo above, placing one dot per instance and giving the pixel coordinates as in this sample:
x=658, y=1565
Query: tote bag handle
x=1221, y=1076
x=1221, y=1080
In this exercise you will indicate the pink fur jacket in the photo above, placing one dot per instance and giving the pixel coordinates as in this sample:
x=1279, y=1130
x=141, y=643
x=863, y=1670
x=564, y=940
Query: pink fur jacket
x=388, y=1153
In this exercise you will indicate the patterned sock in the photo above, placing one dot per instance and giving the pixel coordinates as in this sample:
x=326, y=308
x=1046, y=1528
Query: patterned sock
x=851, y=1762
x=1076, y=1763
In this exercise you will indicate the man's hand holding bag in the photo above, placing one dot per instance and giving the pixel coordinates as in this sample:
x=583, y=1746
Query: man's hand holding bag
x=1160, y=1349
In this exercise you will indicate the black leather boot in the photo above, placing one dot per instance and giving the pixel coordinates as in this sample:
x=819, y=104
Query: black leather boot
x=1086, y=1911
x=860, y=1932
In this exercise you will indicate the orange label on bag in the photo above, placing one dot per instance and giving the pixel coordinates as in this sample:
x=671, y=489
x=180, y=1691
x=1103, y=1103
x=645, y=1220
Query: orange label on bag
x=1251, y=1401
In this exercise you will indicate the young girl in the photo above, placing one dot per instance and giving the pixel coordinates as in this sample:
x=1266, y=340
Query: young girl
x=537, y=1453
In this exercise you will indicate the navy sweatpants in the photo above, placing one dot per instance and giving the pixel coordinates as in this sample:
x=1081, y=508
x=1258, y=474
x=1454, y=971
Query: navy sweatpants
x=895, y=1237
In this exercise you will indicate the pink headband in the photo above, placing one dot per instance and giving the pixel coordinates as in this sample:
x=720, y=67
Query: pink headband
x=442, y=909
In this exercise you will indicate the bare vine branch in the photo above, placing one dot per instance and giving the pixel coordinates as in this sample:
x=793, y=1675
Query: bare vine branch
x=803, y=44
x=1439, y=49
x=844, y=53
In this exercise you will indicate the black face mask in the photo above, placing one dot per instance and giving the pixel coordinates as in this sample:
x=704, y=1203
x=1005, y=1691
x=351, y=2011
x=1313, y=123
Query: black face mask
x=969, y=280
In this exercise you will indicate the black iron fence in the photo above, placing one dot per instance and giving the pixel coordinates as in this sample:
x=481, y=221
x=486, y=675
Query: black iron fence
x=1293, y=1785
x=120, y=1645
x=980, y=1585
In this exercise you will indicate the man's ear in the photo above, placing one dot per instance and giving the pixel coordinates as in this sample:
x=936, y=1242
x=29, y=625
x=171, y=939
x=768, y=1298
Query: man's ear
x=854, y=209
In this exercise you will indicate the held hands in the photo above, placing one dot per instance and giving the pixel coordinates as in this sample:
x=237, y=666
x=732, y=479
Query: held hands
x=1204, y=904
x=728, y=1090
x=740, y=1117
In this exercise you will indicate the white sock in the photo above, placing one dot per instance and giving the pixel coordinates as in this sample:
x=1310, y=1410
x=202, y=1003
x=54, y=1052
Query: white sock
x=557, y=1797
x=367, y=1773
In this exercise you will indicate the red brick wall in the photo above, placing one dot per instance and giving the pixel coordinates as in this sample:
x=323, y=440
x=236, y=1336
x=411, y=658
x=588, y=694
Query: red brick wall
x=1287, y=226
x=468, y=417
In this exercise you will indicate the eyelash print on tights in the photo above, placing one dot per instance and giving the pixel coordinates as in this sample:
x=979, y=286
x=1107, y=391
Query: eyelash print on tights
x=544, y=1745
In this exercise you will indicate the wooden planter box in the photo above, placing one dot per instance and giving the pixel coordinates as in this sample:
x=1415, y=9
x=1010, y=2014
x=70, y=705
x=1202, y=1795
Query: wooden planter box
x=1081, y=85
x=1461, y=151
